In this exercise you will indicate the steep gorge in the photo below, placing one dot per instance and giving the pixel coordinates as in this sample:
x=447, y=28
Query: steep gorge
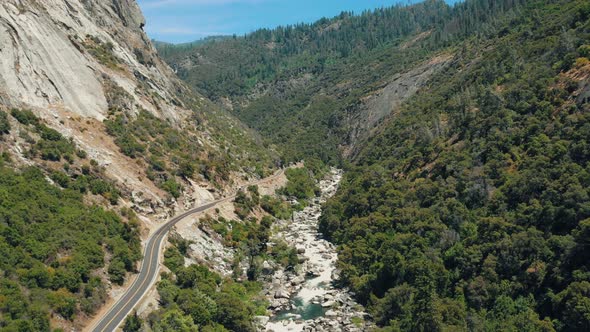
x=463, y=131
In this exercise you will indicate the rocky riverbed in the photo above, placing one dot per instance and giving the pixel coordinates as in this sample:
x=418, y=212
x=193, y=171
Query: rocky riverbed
x=306, y=299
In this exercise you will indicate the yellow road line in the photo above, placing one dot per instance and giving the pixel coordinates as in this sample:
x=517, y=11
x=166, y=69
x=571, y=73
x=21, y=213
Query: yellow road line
x=180, y=217
x=131, y=297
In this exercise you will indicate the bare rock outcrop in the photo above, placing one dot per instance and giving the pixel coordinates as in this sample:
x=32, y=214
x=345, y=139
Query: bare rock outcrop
x=361, y=120
x=57, y=53
x=71, y=61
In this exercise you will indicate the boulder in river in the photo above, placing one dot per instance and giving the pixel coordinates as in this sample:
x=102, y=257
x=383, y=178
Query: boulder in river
x=282, y=293
x=313, y=273
x=328, y=304
x=297, y=280
x=331, y=314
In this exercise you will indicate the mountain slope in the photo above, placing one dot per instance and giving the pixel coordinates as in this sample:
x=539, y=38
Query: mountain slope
x=89, y=60
x=53, y=46
x=469, y=209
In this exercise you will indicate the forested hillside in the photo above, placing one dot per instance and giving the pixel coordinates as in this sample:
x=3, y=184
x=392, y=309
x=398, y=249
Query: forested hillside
x=52, y=248
x=470, y=208
x=301, y=85
x=466, y=207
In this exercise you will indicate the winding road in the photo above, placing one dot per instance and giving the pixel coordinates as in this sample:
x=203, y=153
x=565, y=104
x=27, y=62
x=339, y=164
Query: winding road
x=150, y=267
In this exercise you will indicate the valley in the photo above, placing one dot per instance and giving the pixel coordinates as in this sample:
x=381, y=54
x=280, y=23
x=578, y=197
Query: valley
x=414, y=167
x=462, y=135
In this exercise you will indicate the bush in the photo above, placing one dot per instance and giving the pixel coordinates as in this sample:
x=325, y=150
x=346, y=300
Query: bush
x=301, y=184
x=285, y=255
x=173, y=259
x=186, y=169
x=106, y=189
x=276, y=207
x=132, y=323
x=243, y=205
x=172, y=187
x=64, y=303
x=4, y=124
x=101, y=51
x=117, y=271
x=52, y=146
x=25, y=117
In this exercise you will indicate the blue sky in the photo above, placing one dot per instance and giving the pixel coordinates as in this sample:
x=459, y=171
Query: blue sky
x=180, y=21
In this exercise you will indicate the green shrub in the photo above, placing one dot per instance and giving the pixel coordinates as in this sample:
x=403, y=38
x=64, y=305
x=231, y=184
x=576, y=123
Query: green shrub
x=101, y=51
x=117, y=271
x=301, y=184
x=4, y=124
x=276, y=207
x=132, y=323
x=25, y=117
x=173, y=259
x=172, y=187
x=64, y=303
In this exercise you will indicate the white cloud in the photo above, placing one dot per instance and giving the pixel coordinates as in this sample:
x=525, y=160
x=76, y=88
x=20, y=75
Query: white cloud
x=162, y=3
x=183, y=31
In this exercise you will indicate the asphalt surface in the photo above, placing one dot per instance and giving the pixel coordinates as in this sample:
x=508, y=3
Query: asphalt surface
x=149, y=269
x=147, y=274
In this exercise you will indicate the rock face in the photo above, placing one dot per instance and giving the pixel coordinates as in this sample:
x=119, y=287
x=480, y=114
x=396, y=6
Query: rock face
x=70, y=61
x=48, y=56
x=363, y=119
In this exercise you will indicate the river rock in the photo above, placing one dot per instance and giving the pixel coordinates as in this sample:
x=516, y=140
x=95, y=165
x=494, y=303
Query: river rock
x=313, y=273
x=261, y=320
x=297, y=280
x=278, y=304
x=336, y=275
x=266, y=268
x=331, y=314
x=328, y=304
x=282, y=293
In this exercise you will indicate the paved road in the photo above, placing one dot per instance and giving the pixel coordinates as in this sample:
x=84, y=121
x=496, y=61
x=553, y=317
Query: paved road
x=149, y=270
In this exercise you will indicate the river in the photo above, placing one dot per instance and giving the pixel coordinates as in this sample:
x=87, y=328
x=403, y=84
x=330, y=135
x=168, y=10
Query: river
x=306, y=300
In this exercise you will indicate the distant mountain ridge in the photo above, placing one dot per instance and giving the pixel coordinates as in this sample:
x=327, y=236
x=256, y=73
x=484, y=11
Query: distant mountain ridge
x=288, y=74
